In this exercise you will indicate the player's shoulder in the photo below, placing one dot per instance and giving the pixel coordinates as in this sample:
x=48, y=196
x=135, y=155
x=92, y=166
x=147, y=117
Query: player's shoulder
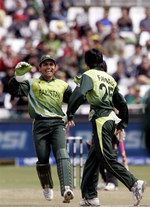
x=100, y=75
x=91, y=71
x=95, y=72
x=61, y=82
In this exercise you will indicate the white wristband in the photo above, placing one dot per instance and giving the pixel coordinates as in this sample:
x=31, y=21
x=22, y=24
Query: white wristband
x=22, y=78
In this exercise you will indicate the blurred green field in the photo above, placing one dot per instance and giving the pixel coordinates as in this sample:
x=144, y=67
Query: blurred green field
x=26, y=177
x=20, y=187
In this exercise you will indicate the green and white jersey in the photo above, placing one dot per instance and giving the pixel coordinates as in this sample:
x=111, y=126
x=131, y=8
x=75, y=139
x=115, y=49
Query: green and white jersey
x=103, y=88
x=45, y=98
x=100, y=90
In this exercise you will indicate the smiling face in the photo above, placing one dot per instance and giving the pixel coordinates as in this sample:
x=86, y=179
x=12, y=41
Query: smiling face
x=48, y=69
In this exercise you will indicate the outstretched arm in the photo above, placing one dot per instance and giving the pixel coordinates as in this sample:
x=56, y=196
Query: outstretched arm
x=17, y=85
x=78, y=97
x=121, y=105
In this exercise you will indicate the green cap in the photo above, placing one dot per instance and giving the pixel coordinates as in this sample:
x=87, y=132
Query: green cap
x=47, y=57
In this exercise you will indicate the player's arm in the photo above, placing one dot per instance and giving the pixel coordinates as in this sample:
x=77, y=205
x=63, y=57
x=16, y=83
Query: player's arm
x=18, y=89
x=67, y=94
x=78, y=96
x=18, y=85
x=121, y=105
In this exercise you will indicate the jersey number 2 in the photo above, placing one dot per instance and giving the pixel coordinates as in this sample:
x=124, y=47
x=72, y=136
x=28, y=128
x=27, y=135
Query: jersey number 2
x=108, y=92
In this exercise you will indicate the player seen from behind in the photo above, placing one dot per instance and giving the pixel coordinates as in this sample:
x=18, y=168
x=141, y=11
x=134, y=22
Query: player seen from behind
x=101, y=91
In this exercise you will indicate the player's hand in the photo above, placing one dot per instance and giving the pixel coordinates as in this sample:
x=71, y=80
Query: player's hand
x=120, y=134
x=70, y=124
x=77, y=79
x=22, y=68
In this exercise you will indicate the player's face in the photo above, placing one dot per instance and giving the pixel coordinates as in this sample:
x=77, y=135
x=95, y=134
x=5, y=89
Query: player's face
x=48, y=68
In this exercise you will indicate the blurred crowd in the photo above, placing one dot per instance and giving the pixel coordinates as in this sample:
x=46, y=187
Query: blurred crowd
x=31, y=28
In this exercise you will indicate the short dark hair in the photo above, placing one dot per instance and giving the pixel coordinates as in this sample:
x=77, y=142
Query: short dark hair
x=103, y=65
x=93, y=58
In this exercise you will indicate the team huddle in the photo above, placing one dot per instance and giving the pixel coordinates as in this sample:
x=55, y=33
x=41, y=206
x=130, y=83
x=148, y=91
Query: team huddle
x=46, y=96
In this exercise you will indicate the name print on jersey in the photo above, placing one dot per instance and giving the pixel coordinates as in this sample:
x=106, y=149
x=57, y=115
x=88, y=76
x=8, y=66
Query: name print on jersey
x=104, y=79
x=51, y=93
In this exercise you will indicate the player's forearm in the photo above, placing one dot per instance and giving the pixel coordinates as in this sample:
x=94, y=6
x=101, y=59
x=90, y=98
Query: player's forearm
x=67, y=94
x=76, y=99
x=78, y=96
x=121, y=105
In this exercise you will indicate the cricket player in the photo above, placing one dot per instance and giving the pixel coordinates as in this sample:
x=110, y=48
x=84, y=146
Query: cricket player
x=101, y=91
x=46, y=95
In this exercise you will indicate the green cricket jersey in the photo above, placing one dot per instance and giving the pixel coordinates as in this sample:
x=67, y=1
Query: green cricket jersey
x=45, y=98
x=101, y=91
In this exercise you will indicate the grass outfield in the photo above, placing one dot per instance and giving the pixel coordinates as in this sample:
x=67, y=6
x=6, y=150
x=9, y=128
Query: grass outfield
x=19, y=186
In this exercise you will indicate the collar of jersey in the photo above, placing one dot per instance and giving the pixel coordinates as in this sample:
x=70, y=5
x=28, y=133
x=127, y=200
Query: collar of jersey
x=42, y=78
x=98, y=68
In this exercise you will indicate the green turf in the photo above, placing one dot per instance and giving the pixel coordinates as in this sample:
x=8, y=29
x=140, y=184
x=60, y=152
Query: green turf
x=140, y=172
x=26, y=177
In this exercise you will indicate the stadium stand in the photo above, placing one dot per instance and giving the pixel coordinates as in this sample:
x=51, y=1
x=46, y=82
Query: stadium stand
x=25, y=34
